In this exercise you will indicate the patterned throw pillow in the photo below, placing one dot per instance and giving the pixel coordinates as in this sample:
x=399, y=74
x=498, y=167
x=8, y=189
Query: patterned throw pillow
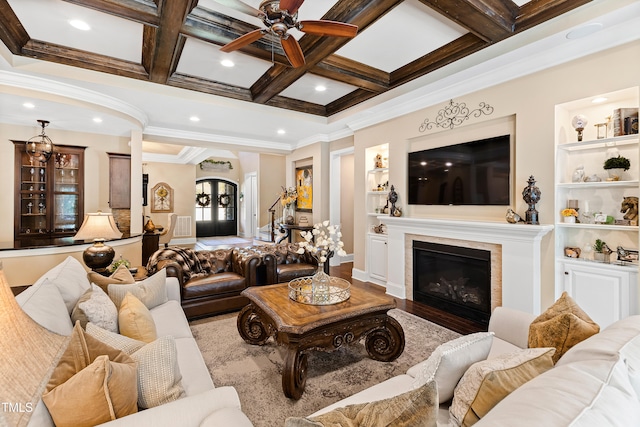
x=95, y=306
x=448, y=363
x=487, y=382
x=152, y=291
x=561, y=326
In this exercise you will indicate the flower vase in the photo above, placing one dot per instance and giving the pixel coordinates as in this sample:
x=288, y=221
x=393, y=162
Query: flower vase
x=570, y=219
x=320, y=285
x=288, y=214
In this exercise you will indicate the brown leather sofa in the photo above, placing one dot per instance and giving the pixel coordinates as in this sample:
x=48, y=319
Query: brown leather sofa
x=289, y=264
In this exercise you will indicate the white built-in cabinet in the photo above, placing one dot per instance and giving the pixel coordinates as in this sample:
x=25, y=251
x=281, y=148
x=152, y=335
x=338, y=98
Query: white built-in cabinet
x=377, y=190
x=607, y=291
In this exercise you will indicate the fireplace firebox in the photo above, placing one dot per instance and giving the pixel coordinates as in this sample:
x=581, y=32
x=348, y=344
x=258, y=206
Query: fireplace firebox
x=454, y=279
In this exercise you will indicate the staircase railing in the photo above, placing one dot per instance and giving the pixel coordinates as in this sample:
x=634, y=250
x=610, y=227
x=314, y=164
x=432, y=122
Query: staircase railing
x=275, y=211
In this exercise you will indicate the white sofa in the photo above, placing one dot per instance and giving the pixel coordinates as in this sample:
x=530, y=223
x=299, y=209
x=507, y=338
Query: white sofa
x=203, y=404
x=596, y=383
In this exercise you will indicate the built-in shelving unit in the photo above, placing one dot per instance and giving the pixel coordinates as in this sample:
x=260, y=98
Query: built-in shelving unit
x=377, y=190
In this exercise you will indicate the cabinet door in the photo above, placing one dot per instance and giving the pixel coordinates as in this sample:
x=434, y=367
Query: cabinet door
x=119, y=181
x=602, y=293
x=66, y=194
x=378, y=257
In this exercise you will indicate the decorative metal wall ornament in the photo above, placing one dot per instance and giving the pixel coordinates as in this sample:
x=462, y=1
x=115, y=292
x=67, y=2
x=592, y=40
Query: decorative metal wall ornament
x=531, y=195
x=454, y=114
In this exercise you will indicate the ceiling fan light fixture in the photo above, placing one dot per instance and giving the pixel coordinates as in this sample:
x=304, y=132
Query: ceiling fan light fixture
x=39, y=148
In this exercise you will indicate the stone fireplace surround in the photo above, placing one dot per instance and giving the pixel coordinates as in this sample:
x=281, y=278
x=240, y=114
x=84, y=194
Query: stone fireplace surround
x=515, y=250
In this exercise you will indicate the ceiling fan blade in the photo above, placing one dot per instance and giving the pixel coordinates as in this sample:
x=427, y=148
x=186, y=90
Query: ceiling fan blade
x=291, y=6
x=241, y=7
x=242, y=41
x=328, y=28
x=293, y=51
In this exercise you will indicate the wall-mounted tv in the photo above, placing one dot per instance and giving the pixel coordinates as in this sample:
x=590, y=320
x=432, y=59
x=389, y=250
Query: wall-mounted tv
x=472, y=173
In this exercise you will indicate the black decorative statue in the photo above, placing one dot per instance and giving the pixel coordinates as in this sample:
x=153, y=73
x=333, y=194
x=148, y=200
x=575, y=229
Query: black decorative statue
x=531, y=195
x=393, y=198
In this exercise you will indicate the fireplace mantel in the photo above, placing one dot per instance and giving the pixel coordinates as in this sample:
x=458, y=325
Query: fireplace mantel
x=521, y=260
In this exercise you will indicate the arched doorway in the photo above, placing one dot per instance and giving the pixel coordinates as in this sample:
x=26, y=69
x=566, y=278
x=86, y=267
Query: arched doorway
x=216, y=208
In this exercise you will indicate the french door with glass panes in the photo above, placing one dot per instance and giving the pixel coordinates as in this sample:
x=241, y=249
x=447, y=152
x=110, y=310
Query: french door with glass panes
x=216, y=209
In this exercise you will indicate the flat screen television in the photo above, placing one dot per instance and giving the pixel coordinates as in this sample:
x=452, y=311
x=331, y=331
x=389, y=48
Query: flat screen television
x=471, y=173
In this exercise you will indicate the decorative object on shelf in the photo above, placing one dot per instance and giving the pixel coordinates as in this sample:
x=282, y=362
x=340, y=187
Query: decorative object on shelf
x=601, y=129
x=454, y=114
x=629, y=208
x=593, y=178
x=117, y=263
x=579, y=122
x=303, y=220
x=569, y=215
x=572, y=252
x=203, y=200
x=149, y=226
x=162, y=198
x=512, y=217
x=531, y=195
x=626, y=256
x=288, y=197
x=209, y=164
x=615, y=166
x=377, y=160
x=224, y=200
x=625, y=121
x=578, y=174
x=379, y=229
x=304, y=188
x=392, y=198
x=601, y=251
x=322, y=242
x=39, y=148
x=98, y=226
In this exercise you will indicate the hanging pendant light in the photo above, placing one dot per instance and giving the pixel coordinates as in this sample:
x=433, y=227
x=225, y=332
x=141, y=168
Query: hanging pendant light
x=40, y=147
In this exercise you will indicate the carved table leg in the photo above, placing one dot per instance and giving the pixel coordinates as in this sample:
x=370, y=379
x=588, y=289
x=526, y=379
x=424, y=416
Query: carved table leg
x=251, y=327
x=294, y=374
x=385, y=343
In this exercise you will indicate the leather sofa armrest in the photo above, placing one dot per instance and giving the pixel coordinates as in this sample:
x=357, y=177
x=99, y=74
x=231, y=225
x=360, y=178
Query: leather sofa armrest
x=173, y=269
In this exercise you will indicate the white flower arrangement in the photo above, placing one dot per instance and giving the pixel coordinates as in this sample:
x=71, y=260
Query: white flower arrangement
x=323, y=240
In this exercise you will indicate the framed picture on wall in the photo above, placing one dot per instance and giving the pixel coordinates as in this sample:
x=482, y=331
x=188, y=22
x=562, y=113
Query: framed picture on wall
x=304, y=187
x=162, y=198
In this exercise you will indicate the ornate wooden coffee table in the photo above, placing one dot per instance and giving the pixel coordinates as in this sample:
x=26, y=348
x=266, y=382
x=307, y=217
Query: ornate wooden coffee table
x=303, y=327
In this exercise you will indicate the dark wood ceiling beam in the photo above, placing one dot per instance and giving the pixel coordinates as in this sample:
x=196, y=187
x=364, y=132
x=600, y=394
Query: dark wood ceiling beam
x=12, y=33
x=358, y=12
x=207, y=86
x=297, y=105
x=142, y=11
x=161, y=54
x=537, y=12
x=491, y=20
x=83, y=59
x=352, y=72
x=349, y=100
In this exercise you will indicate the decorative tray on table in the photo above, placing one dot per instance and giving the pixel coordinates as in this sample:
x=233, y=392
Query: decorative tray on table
x=301, y=290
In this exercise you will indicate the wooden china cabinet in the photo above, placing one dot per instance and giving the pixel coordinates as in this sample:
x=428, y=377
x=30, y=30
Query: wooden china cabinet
x=49, y=196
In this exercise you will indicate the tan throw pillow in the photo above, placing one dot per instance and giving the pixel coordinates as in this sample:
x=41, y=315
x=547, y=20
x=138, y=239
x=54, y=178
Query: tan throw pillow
x=414, y=408
x=152, y=291
x=135, y=321
x=95, y=306
x=448, y=363
x=92, y=383
x=487, y=382
x=561, y=326
x=121, y=276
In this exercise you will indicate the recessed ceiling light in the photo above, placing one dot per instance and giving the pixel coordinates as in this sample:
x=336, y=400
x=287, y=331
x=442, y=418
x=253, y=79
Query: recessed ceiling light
x=448, y=164
x=80, y=25
x=281, y=131
x=599, y=100
x=584, y=30
x=227, y=63
x=321, y=88
x=194, y=118
x=97, y=120
x=28, y=105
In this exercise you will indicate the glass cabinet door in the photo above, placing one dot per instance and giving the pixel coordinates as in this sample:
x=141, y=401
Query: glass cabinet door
x=32, y=207
x=66, y=193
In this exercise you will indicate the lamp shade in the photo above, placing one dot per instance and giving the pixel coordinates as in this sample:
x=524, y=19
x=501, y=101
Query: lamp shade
x=99, y=227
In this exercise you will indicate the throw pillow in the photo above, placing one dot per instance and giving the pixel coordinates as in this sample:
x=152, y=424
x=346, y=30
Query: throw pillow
x=448, y=363
x=44, y=304
x=159, y=377
x=71, y=279
x=92, y=383
x=488, y=382
x=135, y=321
x=414, y=408
x=96, y=306
x=121, y=276
x=152, y=291
x=561, y=326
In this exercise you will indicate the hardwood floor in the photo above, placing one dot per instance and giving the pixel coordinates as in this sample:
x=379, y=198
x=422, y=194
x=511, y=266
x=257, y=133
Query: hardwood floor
x=434, y=315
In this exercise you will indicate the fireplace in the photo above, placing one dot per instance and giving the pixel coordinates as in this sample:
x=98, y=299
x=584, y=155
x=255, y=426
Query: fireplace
x=453, y=278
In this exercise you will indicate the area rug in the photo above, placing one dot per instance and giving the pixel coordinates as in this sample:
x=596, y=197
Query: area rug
x=256, y=371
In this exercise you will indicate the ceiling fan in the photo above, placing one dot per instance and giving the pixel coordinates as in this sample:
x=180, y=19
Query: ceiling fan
x=279, y=16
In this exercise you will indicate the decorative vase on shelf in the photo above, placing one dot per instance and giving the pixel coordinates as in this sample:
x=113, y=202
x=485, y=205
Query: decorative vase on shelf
x=320, y=285
x=615, y=174
x=288, y=214
x=570, y=219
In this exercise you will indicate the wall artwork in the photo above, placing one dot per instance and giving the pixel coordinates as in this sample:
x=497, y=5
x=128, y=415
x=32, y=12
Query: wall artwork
x=162, y=198
x=304, y=187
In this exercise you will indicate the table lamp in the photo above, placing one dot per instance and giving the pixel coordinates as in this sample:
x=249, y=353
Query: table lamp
x=98, y=226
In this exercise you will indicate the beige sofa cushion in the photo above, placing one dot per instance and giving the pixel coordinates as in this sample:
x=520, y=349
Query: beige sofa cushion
x=151, y=291
x=488, y=382
x=44, y=304
x=561, y=326
x=70, y=277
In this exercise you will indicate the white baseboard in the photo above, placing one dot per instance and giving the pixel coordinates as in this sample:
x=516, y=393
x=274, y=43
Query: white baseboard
x=396, y=290
x=360, y=275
